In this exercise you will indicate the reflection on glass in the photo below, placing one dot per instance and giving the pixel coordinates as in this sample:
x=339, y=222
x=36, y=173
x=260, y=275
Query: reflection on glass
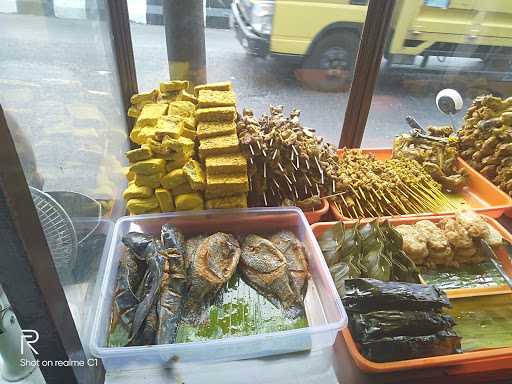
x=281, y=53
x=60, y=90
x=435, y=45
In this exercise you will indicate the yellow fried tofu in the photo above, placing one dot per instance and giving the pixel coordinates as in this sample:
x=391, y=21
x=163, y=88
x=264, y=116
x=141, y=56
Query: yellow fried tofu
x=227, y=183
x=137, y=192
x=221, y=164
x=167, y=126
x=138, y=206
x=152, y=181
x=181, y=189
x=190, y=123
x=130, y=176
x=173, y=85
x=135, y=135
x=181, y=145
x=148, y=167
x=188, y=201
x=185, y=96
x=138, y=154
x=133, y=112
x=165, y=200
x=159, y=148
x=208, y=98
x=208, y=195
x=216, y=114
x=195, y=175
x=175, y=157
x=235, y=201
x=151, y=113
x=176, y=162
x=144, y=97
x=189, y=134
x=173, y=179
x=166, y=98
x=222, y=86
x=215, y=128
x=219, y=145
x=181, y=108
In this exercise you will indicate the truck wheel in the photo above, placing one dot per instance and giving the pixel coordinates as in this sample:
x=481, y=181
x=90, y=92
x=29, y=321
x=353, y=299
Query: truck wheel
x=329, y=66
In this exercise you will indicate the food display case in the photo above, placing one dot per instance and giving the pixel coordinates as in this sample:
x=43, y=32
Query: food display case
x=255, y=191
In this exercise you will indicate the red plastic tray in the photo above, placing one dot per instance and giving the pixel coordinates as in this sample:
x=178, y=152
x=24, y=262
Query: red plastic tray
x=480, y=194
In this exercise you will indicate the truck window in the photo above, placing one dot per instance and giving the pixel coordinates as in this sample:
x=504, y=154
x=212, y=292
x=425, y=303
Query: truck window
x=434, y=45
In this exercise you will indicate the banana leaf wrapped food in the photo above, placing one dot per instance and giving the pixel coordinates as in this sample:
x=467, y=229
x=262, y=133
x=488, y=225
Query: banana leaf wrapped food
x=411, y=347
x=399, y=321
x=364, y=295
x=392, y=323
x=372, y=250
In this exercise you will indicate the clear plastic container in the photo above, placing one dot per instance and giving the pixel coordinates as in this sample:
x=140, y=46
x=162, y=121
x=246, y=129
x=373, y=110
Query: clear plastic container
x=324, y=310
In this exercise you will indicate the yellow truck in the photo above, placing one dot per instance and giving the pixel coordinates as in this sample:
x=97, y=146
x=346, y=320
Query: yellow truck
x=323, y=35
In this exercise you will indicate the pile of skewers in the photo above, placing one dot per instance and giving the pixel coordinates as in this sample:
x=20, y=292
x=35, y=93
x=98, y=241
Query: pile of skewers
x=371, y=188
x=288, y=164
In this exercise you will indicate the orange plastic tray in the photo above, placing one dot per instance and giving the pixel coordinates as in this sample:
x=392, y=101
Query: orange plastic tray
x=485, y=360
x=315, y=216
x=480, y=194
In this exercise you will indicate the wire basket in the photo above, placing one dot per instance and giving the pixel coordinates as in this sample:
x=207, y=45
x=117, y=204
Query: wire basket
x=59, y=231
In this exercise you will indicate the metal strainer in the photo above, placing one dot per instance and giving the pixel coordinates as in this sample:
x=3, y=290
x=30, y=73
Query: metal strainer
x=59, y=231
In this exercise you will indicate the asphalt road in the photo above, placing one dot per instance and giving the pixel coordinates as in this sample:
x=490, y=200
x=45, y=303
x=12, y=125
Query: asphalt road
x=57, y=78
x=259, y=82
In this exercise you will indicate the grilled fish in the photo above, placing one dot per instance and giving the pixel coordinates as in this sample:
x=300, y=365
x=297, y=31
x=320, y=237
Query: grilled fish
x=294, y=253
x=125, y=297
x=214, y=263
x=191, y=247
x=137, y=242
x=172, y=238
x=151, y=285
x=263, y=267
x=170, y=302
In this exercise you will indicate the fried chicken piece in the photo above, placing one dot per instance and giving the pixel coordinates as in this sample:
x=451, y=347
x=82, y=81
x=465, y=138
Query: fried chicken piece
x=455, y=233
x=436, y=240
x=414, y=243
x=465, y=255
x=442, y=256
x=493, y=237
x=473, y=223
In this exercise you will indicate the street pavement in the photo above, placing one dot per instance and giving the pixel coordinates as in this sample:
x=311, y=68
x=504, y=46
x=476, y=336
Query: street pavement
x=57, y=78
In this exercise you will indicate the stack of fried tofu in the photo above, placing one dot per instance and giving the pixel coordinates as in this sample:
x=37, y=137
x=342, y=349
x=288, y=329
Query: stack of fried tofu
x=226, y=168
x=164, y=174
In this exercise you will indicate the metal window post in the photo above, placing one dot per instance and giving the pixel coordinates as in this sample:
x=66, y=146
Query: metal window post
x=369, y=56
x=184, y=34
x=123, y=50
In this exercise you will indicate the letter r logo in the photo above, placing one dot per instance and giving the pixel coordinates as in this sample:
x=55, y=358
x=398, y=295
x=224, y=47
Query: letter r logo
x=29, y=336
